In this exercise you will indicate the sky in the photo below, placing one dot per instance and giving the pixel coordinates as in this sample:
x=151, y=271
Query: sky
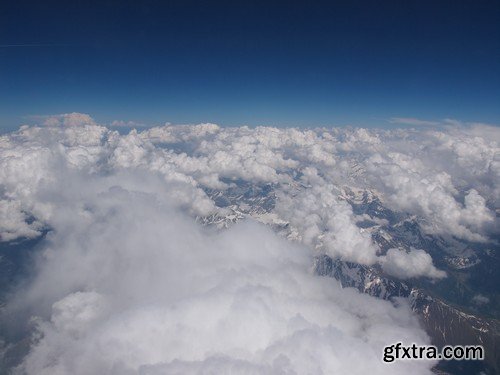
x=250, y=63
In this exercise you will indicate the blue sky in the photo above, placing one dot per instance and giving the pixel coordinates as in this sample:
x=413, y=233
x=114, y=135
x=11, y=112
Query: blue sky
x=233, y=63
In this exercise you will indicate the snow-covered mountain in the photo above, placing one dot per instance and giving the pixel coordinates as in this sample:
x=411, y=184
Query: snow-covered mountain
x=446, y=308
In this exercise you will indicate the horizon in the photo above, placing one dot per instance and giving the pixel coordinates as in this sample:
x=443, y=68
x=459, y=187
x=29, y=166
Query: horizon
x=81, y=119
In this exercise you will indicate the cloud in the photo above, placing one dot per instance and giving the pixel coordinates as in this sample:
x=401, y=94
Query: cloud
x=449, y=179
x=406, y=265
x=413, y=121
x=14, y=222
x=69, y=119
x=324, y=221
x=479, y=299
x=128, y=283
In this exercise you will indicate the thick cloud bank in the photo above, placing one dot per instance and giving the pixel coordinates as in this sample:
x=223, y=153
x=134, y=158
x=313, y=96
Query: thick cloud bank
x=448, y=179
x=127, y=282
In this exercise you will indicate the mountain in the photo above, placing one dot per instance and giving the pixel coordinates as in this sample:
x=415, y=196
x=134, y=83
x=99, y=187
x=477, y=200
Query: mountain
x=461, y=309
x=453, y=310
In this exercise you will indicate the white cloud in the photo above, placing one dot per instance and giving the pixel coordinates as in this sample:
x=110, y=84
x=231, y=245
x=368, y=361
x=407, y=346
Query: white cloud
x=449, y=178
x=324, y=221
x=69, y=119
x=129, y=284
x=406, y=265
x=14, y=222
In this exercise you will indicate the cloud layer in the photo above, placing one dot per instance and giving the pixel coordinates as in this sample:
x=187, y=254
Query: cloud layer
x=127, y=282
x=450, y=179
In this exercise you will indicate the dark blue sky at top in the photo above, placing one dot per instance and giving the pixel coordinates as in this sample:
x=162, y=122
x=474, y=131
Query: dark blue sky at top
x=250, y=62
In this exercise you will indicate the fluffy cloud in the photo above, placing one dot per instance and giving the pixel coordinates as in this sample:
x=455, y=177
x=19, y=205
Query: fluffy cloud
x=14, y=222
x=69, y=119
x=449, y=178
x=129, y=284
x=324, y=221
x=406, y=265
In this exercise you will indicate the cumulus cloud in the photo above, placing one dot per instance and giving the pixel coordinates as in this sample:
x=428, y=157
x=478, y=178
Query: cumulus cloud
x=69, y=119
x=324, y=221
x=406, y=265
x=14, y=222
x=127, y=283
x=449, y=179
